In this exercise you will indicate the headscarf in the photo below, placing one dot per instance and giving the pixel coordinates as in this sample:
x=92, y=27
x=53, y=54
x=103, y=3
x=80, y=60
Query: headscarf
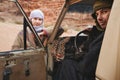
x=39, y=14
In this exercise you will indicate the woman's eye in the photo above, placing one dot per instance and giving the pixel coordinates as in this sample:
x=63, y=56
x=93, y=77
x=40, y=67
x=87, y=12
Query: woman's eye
x=35, y=18
x=40, y=19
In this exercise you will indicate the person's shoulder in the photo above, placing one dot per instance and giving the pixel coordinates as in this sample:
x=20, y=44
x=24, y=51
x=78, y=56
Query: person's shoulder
x=95, y=30
x=48, y=29
x=20, y=32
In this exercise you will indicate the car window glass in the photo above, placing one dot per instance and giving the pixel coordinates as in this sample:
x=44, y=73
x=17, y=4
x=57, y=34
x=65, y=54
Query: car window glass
x=11, y=19
x=77, y=18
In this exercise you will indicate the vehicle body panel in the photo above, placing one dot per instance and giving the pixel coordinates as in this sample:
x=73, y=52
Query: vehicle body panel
x=109, y=60
x=23, y=65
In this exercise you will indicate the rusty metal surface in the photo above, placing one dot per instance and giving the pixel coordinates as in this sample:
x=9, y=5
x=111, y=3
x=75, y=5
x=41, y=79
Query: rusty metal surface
x=26, y=65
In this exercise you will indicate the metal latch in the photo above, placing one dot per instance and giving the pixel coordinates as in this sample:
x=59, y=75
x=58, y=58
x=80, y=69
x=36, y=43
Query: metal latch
x=8, y=71
x=27, y=69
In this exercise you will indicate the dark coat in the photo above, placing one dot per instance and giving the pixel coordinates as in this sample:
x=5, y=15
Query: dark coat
x=85, y=67
x=88, y=64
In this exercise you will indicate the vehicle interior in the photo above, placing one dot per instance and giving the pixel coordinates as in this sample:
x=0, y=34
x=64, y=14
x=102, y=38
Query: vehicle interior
x=27, y=63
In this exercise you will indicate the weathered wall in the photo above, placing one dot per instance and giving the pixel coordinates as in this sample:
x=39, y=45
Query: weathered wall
x=10, y=18
x=51, y=9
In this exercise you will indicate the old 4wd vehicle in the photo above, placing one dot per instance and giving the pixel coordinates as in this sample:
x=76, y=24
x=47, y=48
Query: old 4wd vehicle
x=38, y=63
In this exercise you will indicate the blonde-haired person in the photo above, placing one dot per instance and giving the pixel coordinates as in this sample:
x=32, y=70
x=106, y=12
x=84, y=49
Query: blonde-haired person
x=37, y=19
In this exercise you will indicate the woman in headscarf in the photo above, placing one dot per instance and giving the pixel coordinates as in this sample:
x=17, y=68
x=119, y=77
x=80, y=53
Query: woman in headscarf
x=37, y=19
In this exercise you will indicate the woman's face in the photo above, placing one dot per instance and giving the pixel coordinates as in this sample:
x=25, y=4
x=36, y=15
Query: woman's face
x=36, y=21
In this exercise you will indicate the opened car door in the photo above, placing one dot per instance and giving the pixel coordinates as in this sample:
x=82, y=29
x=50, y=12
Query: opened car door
x=23, y=65
x=109, y=61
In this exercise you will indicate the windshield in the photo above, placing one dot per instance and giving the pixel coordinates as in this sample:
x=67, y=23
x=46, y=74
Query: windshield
x=11, y=19
x=77, y=18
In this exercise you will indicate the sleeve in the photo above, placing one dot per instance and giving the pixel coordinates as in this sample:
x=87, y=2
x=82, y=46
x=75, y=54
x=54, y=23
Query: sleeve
x=18, y=42
x=89, y=63
x=45, y=32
